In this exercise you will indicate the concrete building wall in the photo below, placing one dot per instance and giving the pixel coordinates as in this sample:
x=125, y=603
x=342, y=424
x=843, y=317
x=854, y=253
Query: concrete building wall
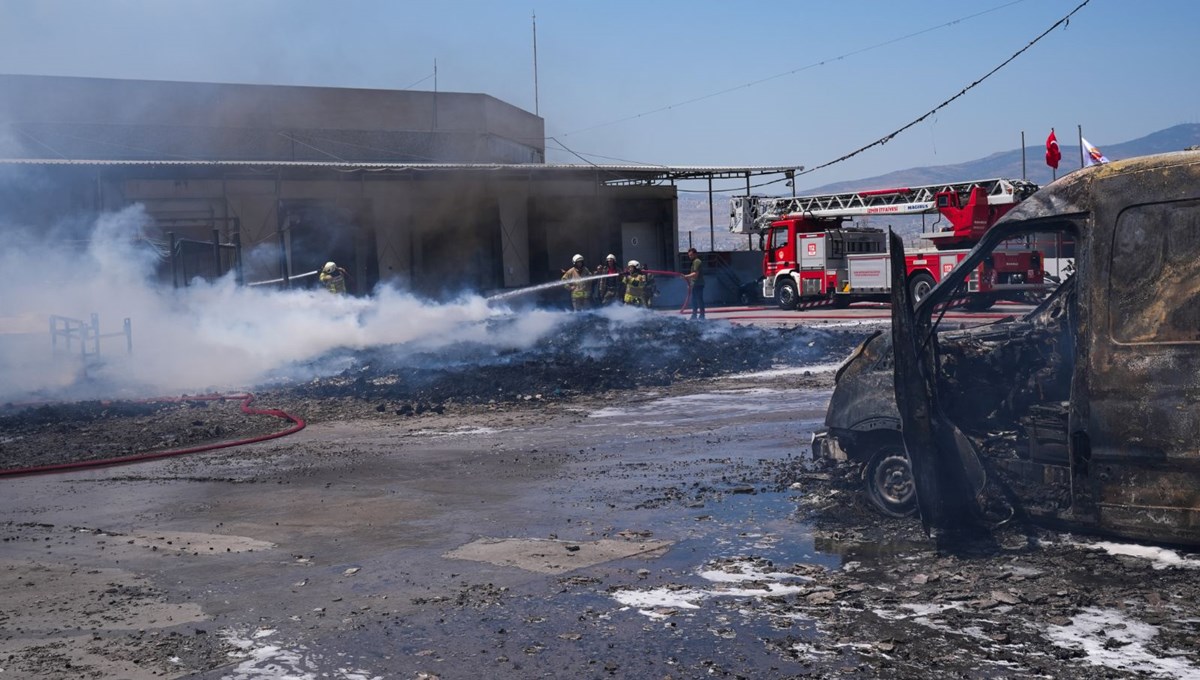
x=438, y=236
x=98, y=118
x=435, y=231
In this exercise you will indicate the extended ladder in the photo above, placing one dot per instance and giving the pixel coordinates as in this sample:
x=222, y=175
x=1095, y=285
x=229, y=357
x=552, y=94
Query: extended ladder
x=754, y=214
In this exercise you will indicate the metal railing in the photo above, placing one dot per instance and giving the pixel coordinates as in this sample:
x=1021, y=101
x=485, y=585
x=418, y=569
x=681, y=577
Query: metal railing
x=70, y=336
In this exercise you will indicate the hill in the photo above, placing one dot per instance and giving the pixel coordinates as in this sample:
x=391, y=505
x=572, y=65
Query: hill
x=693, y=207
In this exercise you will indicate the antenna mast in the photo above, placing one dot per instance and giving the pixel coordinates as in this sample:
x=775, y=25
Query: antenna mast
x=535, y=69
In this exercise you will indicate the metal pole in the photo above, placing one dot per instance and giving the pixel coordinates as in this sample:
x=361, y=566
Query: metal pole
x=216, y=253
x=1080, y=145
x=95, y=334
x=281, y=222
x=128, y=336
x=712, y=238
x=174, y=272
x=237, y=250
x=535, y=69
x=1023, y=176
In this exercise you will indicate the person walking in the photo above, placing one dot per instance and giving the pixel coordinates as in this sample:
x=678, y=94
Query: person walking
x=695, y=279
x=608, y=290
x=333, y=278
x=580, y=290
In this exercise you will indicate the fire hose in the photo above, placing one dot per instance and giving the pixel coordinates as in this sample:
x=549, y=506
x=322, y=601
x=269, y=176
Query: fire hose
x=297, y=425
x=686, y=298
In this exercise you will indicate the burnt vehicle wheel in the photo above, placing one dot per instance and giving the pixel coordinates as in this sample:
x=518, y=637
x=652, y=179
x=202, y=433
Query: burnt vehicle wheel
x=786, y=296
x=889, y=482
x=919, y=286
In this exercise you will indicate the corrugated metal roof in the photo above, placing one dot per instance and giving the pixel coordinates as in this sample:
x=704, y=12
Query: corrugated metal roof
x=652, y=170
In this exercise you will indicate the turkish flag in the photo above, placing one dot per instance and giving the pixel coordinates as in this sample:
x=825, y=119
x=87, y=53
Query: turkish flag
x=1053, y=155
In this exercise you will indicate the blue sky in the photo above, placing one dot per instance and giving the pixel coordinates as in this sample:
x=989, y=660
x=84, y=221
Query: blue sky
x=617, y=79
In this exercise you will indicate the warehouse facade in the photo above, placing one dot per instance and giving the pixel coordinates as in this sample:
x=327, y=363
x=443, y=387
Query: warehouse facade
x=436, y=192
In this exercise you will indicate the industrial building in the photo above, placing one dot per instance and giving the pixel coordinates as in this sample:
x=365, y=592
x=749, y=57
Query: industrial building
x=434, y=191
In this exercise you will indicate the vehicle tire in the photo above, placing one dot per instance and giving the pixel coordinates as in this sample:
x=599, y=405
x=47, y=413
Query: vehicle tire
x=888, y=481
x=841, y=301
x=786, y=295
x=919, y=285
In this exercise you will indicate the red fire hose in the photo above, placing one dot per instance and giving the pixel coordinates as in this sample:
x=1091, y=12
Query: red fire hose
x=297, y=425
x=686, y=298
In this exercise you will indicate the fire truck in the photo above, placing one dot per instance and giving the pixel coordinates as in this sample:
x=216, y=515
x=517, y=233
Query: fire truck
x=813, y=255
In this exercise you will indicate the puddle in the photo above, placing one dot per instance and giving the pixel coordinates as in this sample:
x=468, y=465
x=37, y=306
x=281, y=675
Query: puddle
x=710, y=406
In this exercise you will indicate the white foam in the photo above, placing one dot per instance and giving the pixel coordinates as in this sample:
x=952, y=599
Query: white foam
x=1092, y=630
x=767, y=584
x=815, y=369
x=1160, y=558
x=266, y=661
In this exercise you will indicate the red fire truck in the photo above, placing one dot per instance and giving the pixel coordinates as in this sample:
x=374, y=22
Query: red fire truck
x=811, y=254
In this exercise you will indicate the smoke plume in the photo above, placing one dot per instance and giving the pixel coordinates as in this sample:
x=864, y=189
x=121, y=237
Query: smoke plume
x=204, y=337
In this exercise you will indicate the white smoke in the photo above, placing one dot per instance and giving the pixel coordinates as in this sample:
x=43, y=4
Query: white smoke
x=208, y=335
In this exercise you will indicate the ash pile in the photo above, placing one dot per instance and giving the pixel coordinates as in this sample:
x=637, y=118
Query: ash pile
x=586, y=354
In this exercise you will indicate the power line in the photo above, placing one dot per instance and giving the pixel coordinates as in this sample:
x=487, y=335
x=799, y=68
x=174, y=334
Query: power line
x=793, y=71
x=890, y=136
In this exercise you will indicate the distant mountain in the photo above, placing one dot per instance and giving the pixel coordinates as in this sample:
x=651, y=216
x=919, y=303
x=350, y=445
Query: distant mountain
x=694, y=215
x=1008, y=163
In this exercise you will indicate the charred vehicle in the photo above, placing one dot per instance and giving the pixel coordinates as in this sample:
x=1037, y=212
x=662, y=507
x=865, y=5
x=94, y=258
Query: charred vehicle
x=1084, y=413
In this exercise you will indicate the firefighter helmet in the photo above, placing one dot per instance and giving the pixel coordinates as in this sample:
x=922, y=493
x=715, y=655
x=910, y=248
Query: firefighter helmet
x=634, y=264
x=329, y=268
x=577, y=259
x=611, y=257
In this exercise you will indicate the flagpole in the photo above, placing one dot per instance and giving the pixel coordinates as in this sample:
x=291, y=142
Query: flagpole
x=1080, y=145
x=1023, y=176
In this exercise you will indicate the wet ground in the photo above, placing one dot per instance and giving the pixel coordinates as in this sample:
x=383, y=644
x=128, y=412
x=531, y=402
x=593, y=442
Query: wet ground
x=535, y=521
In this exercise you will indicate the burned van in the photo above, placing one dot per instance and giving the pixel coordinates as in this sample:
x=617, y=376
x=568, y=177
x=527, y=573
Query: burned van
x=1084, y=413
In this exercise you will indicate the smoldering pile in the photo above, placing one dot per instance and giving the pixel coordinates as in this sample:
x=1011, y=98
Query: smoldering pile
x=587, y=354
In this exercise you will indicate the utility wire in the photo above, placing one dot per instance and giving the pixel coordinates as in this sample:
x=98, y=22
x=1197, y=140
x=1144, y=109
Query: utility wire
x=794, y=71
x=889, y=137
x=418, y=82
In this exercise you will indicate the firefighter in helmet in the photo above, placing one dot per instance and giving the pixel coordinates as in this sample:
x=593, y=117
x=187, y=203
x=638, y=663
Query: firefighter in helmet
x=639, y=285
x=581, y=291
x=608, y=290
x=333, y=278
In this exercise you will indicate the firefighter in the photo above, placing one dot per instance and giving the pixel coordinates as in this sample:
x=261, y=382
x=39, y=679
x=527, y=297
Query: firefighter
x=608, y=290
x=639, y=285
x=581, y=291
x=333, y=278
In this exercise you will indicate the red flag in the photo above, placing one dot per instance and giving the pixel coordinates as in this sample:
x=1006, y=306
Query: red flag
x=1053, y=155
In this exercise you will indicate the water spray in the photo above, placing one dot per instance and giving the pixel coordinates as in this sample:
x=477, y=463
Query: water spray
x=545, y=286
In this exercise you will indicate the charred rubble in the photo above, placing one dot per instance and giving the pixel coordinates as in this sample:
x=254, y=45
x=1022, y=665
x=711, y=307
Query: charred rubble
x=590, y=354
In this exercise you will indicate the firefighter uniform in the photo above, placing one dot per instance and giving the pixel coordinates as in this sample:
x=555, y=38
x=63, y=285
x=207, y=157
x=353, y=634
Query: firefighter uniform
x=333, y=278
x=639, y=285
x=581, y=291
x=608, y=290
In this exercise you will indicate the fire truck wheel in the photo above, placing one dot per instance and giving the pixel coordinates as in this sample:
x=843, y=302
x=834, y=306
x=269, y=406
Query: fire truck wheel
x=889, y=482
x=786, y=296
x=919, y=286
